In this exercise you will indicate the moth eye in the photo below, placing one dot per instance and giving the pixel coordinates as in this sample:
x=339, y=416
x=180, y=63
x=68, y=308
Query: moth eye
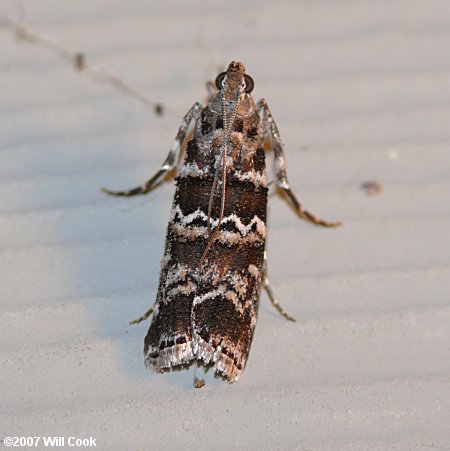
x=249, y=84
x=220, y=79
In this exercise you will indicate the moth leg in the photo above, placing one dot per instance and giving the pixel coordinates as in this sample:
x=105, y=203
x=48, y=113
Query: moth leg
x=271, y=130
x=171, y=160
x=271, y=294
x=143, y=317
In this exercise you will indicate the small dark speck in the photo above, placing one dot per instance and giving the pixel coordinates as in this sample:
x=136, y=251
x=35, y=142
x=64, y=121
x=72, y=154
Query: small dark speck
x=159, y=109
x=198, y=383
x=79, y=61
x=371, y=187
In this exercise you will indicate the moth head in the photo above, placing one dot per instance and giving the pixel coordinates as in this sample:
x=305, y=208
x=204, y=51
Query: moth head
x=235, y=79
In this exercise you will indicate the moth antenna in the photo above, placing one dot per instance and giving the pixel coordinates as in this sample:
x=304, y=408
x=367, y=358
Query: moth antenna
x=227, y=131
x=211, y=200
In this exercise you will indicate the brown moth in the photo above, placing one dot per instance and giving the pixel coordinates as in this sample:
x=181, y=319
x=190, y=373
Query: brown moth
x=215, y=262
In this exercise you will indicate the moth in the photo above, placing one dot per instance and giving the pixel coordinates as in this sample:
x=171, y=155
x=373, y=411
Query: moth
x=215, y=263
